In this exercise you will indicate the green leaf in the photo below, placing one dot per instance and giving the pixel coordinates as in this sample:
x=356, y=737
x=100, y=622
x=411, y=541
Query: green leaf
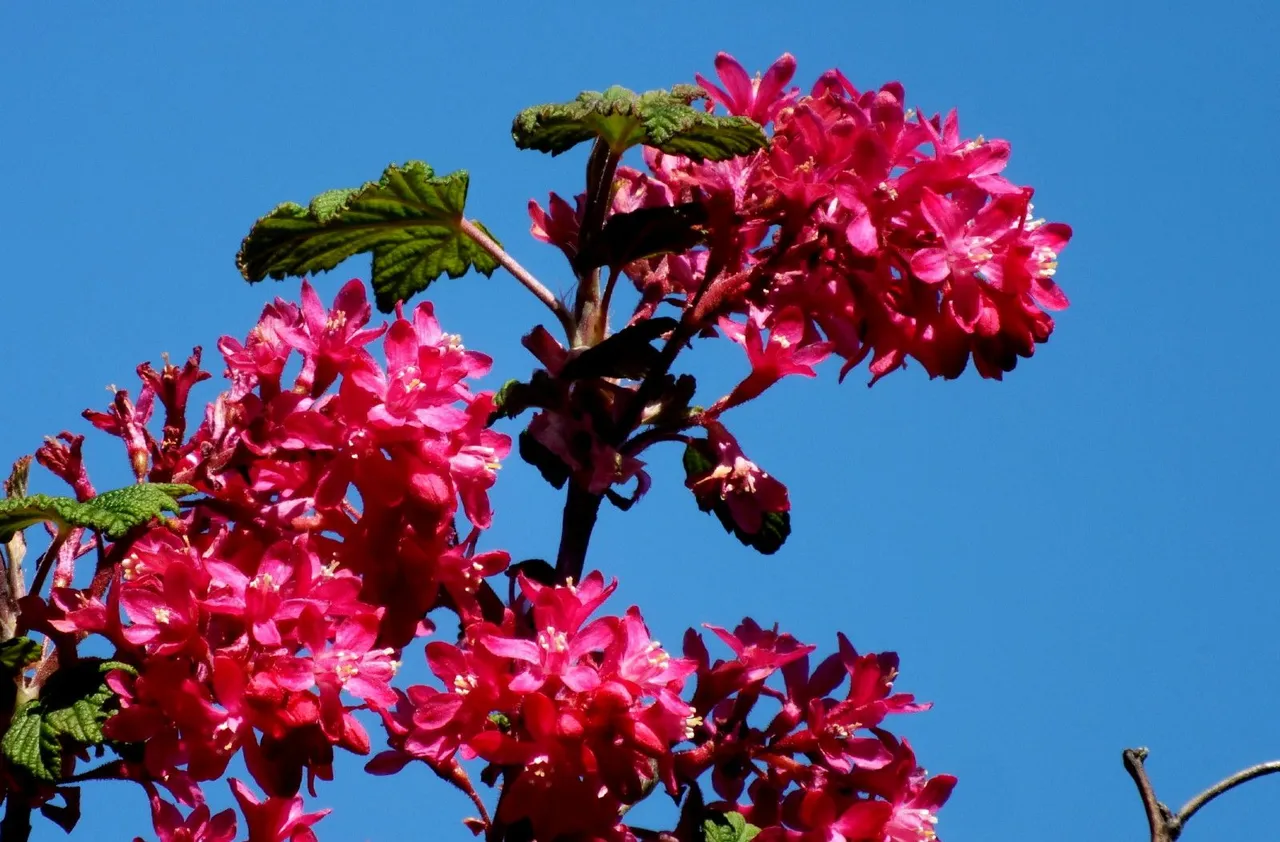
x=17, y=653
x=728, y=827
x=112, y=513
x=644, y=233
x=67, y=717
x=627, y=354
x=775, y=527
x=410, y=221
x=621, y=118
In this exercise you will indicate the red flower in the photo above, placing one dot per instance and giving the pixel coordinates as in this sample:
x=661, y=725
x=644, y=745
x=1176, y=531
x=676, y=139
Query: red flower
x=196, y=827
x=275, y=819
x=747, y=491
x=760, y=98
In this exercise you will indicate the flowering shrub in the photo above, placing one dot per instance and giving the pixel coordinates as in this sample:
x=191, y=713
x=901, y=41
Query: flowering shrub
x=319, y=524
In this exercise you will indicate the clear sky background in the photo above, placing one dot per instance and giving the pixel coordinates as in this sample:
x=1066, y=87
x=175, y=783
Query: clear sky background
x=1079, y=559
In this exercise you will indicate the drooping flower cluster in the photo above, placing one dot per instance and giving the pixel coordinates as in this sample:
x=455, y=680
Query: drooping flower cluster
x=865, y=229
x=884, y=229
x=272, y=609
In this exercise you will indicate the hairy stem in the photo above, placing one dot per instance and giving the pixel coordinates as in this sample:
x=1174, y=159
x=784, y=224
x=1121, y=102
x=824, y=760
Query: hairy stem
x=590, y=312
x=580, y=510
x=16, y=826
x=521, y=274
x=1166, y=825
x=608, y=290
x=48, y=559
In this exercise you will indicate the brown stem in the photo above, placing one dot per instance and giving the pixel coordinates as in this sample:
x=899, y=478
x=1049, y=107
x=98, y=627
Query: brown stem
x=520, y=273
x=1189, y=809
x=1166, y=825
x=16, y=826
x=580, y=510
x=1159, y=816
x=589, y=311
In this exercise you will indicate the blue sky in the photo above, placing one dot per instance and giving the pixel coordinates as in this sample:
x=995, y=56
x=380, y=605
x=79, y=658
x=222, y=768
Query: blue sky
x=1079, y=559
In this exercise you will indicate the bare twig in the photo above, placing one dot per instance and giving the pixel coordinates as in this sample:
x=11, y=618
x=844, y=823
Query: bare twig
x=1166, y=825
x=1159, y=817
x=1189, y=809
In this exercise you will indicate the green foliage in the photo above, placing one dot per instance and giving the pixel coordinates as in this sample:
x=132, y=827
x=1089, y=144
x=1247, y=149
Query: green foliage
x=112, y=513
x=775, y=527
x=508, y=401
x=665, y=120
x=17, y=653
x=645, y=233
x=68, y=716
x=728, y=827
x=410, y=220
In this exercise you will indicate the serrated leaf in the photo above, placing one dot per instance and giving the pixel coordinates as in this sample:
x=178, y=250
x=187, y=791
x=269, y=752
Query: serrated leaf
x=68, y=716
x=621, y=118
x=775, y=527
x=112, y=513
x=644, y=233
x=409, y=220
x=728, y=827
x=17, y=653
x=552, y=468
x=627, y=354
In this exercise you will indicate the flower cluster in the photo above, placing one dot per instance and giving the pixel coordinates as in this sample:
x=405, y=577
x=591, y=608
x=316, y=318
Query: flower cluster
x=274, y=607
x=865, y=230
x=260, y=621
x=340, y=498
x=581, y=718
x=885, y=230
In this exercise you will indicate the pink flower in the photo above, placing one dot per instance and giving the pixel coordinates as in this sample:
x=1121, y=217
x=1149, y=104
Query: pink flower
x=329, y=338
x=275, y=819
x=747, y=491
x=196, y=827
x=792, y=348
x=818, y=817
x=760, y=98
x=761, y=651
x=165, y=622
x=352, y=663
x=173, y=385
x=560, y=226
x=555, y=654
x=129, y=423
